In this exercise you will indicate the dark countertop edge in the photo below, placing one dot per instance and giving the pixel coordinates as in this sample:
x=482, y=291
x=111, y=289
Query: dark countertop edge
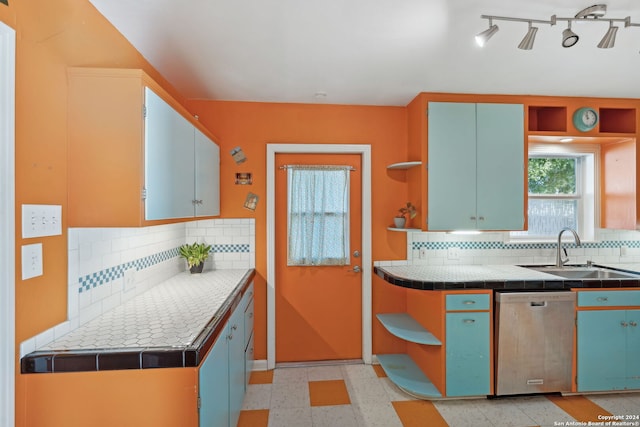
x=528, y=285
x=58, y=361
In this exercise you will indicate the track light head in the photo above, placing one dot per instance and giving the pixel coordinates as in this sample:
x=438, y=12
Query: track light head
x=529, y=38
x=569, y=38
x=609, y=38
x=484, y=36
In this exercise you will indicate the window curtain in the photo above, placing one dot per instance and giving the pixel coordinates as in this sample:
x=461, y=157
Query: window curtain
x=318, y=215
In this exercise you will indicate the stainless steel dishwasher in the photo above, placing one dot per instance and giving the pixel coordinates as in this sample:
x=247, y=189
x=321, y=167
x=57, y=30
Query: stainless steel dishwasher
x=534, y=341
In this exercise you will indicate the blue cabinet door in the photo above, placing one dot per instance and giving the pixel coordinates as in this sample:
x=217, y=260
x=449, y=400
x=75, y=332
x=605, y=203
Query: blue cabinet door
x=236, y=364
x=468, y=364
x=169, y=154
x=633, y=349
x=207, y=176
x=500, y=166
x=213, y=378
x=452, y=166
x=602, y=357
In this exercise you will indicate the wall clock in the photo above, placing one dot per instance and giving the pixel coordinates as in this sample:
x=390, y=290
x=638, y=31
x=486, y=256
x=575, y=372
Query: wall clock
x=585, y=119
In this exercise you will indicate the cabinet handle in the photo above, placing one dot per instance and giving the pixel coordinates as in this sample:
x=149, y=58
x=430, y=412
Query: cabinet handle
x=481, y=218
x=250, y=315
x=469, y=302
x=624, y=324
x=603, y=299
x=469, y=321
x=632, y=323
x=230, y=337
x=473, y=218
x=234, y=327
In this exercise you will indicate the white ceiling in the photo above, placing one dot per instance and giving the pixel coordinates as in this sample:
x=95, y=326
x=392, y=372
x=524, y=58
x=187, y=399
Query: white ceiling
x=374, y=52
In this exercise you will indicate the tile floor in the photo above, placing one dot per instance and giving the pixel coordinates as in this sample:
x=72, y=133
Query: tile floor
x=362, y=396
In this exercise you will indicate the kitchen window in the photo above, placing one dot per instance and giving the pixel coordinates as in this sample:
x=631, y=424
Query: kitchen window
x=562, y=188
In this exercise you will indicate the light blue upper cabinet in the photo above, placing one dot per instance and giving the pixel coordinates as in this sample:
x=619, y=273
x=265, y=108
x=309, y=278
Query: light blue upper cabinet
x=207, y=179
x=169, y=153
x=476, y=175
x=182, y=165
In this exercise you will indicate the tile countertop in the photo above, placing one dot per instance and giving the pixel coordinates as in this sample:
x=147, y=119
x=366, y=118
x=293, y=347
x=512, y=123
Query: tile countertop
x=503, y=277
x=171, y=325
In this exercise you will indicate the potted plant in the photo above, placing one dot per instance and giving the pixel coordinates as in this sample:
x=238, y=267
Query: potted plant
x=195, y=254
x=400, y=219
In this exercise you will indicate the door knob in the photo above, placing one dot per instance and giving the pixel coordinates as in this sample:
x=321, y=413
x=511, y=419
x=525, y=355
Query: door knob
x=356, y=269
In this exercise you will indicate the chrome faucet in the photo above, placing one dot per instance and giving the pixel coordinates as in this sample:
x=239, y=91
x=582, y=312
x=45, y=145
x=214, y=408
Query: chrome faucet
x=559, y=261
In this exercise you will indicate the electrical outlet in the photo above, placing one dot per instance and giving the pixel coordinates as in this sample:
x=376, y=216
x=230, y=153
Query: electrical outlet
x=31, y=261
x=423, y=253
x=41, y=220
x=129, y=279
x=624, y=250
x=453, y=253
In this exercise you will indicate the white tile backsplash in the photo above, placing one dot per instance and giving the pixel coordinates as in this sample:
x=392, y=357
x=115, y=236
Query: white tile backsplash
x=496, y=248
x=97, y=258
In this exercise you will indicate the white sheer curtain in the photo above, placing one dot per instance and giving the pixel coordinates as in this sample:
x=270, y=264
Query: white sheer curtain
x=318, y=215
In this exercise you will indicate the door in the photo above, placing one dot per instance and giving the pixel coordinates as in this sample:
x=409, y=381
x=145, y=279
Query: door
x=318, y=309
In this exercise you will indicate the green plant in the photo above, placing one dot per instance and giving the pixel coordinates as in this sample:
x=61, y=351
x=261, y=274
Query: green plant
x=409, y=209
x=195, y=253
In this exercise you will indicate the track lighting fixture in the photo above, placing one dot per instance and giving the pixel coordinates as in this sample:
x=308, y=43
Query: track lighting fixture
x=484, y=36
x=529, y=38
x=593, y=13
x=609, y=38
x=569, y=38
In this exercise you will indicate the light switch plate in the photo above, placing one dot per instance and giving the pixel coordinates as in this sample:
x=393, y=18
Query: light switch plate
x=31, y=261
x=41, y=220
x=453, y=253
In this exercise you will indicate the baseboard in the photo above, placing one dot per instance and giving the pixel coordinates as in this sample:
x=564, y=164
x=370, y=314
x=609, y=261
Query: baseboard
x=259, y=365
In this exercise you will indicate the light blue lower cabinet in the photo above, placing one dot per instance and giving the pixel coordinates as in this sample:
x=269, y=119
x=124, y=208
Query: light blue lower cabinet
x=468, y=356
x=608, y=348
x=213, y=378
x=236, y=364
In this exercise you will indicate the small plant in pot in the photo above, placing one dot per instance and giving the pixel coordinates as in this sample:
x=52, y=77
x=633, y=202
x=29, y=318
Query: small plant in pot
x=195, y=254
x=400, y=220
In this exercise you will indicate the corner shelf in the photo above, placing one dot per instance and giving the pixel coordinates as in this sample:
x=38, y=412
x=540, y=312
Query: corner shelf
x=404, y=373
x=404, y=165
x=404, y=326
x=405, y=230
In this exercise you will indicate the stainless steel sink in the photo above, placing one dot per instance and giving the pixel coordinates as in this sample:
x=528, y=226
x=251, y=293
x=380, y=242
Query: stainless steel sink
x=584, y=272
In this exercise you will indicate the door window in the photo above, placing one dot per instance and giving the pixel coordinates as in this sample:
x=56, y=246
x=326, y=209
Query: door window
x=318, y=215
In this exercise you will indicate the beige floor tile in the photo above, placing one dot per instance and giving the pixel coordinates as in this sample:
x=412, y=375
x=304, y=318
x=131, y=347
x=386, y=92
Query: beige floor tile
x=366, y=390
x=376, y=415
x=290, y=395
x=290, y=417
x=324, y=373
x=334, y=416
x=290, y=375
x=258, y=396
x=462, y=413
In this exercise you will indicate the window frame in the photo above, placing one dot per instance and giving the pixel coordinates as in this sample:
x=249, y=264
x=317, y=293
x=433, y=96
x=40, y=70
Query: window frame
x=587, y=187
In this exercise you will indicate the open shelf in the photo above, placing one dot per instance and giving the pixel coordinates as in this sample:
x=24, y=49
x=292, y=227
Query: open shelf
x=404, y=326
x=618, y=120
x=405, y=230
x=404, y=165
x=547, y=119
x=404, y=373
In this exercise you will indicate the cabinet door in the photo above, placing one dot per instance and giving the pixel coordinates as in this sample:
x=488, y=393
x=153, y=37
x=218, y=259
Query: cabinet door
x=213, y=378
x=451, y=166
x=468, y=363
x=500, y=166
x=207, y=178
x=169, y=154
x=601, y=350
x=236, y=364
x=633, y=349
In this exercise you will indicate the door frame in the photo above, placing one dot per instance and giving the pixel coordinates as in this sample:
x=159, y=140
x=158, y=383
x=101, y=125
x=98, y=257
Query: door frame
x=365, y=151
x=7, y=226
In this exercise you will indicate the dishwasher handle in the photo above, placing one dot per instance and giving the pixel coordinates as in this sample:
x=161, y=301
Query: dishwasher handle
x=538, y=303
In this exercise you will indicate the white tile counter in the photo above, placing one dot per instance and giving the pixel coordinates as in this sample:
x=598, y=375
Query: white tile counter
x=174, y=319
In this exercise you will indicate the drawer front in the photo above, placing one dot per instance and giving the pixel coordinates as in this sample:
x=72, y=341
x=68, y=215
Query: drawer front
x=464, y=302
x=608, y=298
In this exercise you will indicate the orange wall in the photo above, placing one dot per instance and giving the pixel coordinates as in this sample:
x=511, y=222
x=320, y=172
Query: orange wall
x=252, y=125
x=51, y=36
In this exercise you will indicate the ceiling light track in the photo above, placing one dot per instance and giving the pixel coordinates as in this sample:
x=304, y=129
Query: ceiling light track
x=593, y=13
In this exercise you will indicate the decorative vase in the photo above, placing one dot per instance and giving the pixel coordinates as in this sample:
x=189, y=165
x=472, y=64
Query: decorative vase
x=197, y=268
x=399, y=221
